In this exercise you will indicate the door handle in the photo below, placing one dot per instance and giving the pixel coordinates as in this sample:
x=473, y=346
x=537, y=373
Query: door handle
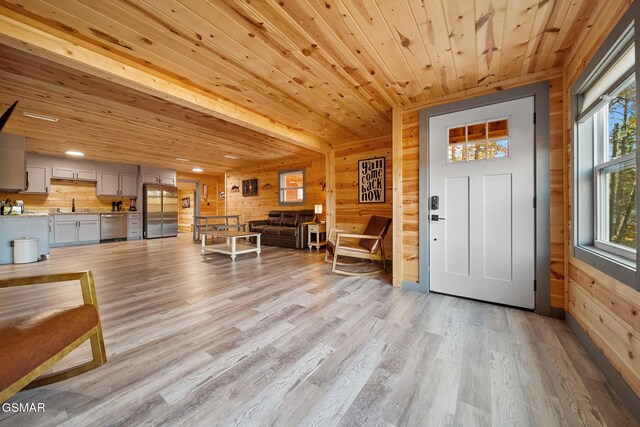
x=436, y=218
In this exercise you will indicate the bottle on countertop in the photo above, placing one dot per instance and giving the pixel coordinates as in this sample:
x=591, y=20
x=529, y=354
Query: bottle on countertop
x=73, y=205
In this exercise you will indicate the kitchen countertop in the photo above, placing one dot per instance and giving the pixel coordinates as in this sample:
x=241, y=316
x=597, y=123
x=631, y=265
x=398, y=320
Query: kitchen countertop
x=24, y=215
x=32, y=214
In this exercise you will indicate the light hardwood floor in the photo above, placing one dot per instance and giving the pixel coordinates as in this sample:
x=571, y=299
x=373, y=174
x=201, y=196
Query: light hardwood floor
x=280, y=340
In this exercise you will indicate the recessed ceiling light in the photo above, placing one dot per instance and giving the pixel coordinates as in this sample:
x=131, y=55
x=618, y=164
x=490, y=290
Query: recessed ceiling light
x=180, y=159
x=197, y=169
x=40, y=116
x=232, y=156
x=74, y=153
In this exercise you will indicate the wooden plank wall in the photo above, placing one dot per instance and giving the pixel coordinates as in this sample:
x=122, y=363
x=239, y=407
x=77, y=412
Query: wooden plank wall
x=410, y=188
x=410, y=197
x=257, y=207
x=607, y=310
x=350, y=215
x=61, y=194
x=213, y=205
x=185, y=215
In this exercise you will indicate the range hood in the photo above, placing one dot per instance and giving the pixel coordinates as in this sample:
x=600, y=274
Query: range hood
x=13, y=163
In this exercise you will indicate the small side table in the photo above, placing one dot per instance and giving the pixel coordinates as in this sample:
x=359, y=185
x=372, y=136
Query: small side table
x=319, y=231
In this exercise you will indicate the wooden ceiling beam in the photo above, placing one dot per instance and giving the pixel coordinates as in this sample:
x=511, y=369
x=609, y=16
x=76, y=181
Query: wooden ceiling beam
x=44, y=45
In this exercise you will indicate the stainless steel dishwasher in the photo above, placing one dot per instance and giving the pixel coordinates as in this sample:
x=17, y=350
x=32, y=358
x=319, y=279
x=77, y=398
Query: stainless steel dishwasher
x=113, y=227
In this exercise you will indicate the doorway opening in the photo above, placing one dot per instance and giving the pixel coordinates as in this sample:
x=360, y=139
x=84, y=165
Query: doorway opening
x=188, y=204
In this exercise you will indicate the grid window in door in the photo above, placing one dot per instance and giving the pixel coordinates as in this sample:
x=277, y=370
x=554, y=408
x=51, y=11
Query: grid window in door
x=478, y=141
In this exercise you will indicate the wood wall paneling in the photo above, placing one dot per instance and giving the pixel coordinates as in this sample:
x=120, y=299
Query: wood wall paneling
x=257, y=207
x=410, y=196
x=351, y=215
x=185, y=215
x=609, y=312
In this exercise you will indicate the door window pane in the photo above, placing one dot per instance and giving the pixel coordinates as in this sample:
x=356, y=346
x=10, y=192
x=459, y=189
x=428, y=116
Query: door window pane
x=477, y=132
x=498, y=149
x=457, y=135
x=456, y=153
x=478, y=141
x=499, y=129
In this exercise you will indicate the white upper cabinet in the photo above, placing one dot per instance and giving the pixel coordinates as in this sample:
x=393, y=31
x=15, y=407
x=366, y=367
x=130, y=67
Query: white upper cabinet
x=128, y=185
x=117, y=184
x=37, y=180
x=84, y=174
x=156, y=175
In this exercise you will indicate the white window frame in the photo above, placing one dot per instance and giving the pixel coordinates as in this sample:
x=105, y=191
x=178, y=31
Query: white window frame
x=591, y=165
x=282, y=189
x=602, y=208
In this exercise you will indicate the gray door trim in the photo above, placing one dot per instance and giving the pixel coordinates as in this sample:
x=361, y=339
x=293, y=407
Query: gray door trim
x=540, y=92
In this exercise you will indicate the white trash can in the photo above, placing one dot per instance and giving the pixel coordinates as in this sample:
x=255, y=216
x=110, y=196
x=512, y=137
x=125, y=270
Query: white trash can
x=25, y=251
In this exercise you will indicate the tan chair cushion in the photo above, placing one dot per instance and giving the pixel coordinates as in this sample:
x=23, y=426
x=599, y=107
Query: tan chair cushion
x=32, y=341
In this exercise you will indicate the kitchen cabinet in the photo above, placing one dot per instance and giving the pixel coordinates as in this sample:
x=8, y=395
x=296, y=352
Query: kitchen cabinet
x=134, y=226
x=156, y=175
x=76, y=174
x=117, y=184
x=65, y=232
x=128, y=185
x=153, y=179
x=75, y=229
x=89, y=230
x=37, y=180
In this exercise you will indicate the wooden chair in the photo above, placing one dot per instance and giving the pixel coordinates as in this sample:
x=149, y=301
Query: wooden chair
x=32, y=346
x=366, y=246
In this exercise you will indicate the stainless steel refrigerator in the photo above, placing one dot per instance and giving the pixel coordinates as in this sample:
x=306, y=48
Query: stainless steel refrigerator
x=160, y=211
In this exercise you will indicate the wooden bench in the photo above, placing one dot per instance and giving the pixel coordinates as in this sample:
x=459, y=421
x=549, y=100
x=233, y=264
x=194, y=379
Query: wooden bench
x=30, y=347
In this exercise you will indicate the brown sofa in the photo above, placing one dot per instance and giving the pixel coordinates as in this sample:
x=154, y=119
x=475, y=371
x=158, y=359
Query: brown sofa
x=284, y=228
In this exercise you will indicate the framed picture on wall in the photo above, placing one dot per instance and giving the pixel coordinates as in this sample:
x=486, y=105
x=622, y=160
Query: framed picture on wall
x=250, y=187
x=205, y=191
x=371, y=180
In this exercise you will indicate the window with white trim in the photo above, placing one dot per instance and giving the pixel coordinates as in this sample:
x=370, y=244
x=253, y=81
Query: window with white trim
x=605, y=156
x=615, y=171
x=292, y=187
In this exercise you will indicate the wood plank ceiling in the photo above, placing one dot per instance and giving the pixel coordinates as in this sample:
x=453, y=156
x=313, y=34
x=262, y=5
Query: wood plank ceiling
x=333, y=69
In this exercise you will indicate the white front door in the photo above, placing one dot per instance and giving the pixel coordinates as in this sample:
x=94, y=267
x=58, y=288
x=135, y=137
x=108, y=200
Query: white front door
x=482, y=225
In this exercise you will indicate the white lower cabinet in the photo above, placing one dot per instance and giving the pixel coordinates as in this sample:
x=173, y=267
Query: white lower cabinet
x=89, y=230
x=65, y=232
x=134, y=226
x=75, y=229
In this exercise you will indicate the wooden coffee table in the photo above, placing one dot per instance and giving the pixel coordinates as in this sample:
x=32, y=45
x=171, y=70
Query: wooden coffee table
x=232, y=246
